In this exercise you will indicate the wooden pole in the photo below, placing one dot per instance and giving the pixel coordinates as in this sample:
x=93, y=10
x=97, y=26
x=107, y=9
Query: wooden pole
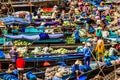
x=30, y=4
x=115, y=71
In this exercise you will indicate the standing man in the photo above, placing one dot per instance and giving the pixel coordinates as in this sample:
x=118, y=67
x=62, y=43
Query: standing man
x=20, y=65
x=87, y=54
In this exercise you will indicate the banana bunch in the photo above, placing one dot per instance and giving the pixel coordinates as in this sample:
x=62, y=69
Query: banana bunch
x=21, y=43
x=61, y=51
x=70, y=40
x=73, y=24
x=66, y=23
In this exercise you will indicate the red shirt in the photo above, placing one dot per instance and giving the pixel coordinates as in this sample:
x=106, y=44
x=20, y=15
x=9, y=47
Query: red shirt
x=20, y=63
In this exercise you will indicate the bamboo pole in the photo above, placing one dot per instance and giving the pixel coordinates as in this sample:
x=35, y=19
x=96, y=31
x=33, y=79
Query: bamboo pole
x=96, y=62
x=115, y=71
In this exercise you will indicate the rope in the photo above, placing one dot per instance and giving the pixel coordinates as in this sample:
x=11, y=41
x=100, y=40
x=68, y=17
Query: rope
x=96, y=62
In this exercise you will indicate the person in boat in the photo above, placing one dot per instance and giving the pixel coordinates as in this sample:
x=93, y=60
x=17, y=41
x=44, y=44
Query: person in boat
x=20, y=65
x=100, y=49
x=91, y=31
x=105, y=34
x=99, y=33
x=11, y=69
x=14, y=54
x=113, y=52
x=77, y=68
x=87, y=53
x=77, y=36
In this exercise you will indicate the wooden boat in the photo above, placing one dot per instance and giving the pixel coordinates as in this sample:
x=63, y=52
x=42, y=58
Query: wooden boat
x=69, y=59
x=91, y=74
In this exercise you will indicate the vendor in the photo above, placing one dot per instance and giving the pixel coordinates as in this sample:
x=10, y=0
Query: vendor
x=77, y=37
x=87, y=53
x=11, y=69
x=77, y=68
x=105, y=33
x=112, y=50
x=47, y=49
x=14, y=54
x=100, y=49
x=99, y=33
x=20, y=65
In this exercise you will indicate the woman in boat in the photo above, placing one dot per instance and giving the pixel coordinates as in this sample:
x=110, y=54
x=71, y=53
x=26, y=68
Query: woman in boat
x=77, y=68
x=100, y=49
x=113, y=52
x=20, y=65
x=99, y=33
x=105, y=33
x=40, y=36
x=77, y=37
x=14, y=54
x=11, y=69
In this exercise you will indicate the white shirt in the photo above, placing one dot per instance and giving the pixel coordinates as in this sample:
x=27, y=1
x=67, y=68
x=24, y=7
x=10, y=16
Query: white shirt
x=111, y=51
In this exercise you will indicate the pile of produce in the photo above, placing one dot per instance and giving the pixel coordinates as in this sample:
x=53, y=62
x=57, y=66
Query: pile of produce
x=49, y=31
x=70, y=40
x=22, y=50
x=67, y=23
x=61, y=51
x=37, y=50
x=21, y=43
x=50, y=72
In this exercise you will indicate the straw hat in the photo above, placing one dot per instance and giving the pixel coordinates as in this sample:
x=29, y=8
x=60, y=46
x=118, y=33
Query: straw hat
x=113, y=43
x=88, y=44
x=78, y=62
x=80, y=3
x=20, y=55
x=102, y=3
x=113, y=62
x=99, y=28
x=14, y=47
x=86, y=3
x=100, y=41
x=98, y=21
x=59, y=74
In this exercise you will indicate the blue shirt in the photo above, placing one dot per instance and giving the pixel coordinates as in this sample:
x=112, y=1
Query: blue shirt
x=87, y=51
x=44, y=36
x=57, y=78
x=92, y=30
x=77, y=34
